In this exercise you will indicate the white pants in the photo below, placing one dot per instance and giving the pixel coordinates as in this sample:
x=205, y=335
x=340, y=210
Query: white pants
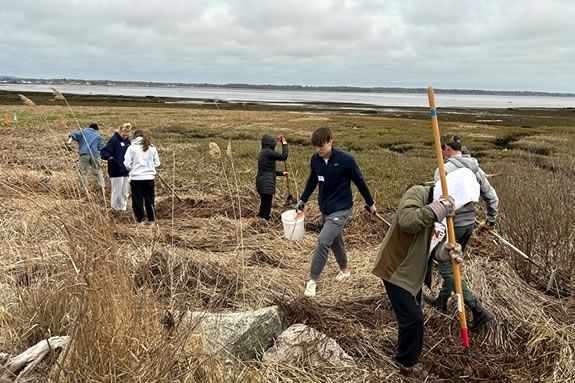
x=120, y=192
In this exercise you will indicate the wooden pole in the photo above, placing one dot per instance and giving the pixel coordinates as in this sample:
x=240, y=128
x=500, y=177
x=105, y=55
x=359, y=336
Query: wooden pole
x=450, y=229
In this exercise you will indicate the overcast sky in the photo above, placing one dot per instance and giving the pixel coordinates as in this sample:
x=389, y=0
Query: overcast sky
x=479, y=44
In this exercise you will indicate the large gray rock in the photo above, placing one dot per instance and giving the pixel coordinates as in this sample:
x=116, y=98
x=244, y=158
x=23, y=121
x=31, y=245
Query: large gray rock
x=241, y=335
x=305, y=344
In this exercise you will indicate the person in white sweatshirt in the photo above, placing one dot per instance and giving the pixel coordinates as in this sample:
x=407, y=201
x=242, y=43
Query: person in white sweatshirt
x=141, y=160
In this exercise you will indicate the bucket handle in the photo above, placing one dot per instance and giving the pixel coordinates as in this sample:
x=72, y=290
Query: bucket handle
x=297, y=216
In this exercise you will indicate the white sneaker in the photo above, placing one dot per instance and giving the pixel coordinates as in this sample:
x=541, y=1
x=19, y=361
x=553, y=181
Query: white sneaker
x=310, y=288
x=341, y=276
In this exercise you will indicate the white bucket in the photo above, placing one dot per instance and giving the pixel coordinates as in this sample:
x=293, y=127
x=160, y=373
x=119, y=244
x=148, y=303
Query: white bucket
x=293, y=229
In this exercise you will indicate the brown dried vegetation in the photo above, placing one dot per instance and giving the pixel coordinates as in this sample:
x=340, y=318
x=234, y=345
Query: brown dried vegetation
x=69, y=267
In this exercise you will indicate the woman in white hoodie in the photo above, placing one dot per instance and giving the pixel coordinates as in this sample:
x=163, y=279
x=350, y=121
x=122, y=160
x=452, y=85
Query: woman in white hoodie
x=141, y=160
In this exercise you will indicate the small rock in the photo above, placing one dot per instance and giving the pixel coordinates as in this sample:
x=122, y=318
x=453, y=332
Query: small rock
x=300, y=342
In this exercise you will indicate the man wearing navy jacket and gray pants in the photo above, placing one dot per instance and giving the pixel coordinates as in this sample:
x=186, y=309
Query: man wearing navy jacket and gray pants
x=333, y=170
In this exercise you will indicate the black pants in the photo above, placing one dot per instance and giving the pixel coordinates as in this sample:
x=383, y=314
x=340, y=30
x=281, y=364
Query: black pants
x=407, y=309
x=266, y=206
x=143, y=193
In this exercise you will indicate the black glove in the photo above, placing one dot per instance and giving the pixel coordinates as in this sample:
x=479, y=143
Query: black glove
x=299, y=205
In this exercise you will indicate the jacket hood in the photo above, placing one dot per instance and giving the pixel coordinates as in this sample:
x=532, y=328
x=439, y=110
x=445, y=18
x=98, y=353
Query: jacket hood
x=465, y=162
x=268, y=141
x=138, y=141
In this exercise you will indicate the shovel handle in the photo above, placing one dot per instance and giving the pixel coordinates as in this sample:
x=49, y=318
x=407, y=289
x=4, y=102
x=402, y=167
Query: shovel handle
x=377, y=215
x=450, y=228
x=168, y=186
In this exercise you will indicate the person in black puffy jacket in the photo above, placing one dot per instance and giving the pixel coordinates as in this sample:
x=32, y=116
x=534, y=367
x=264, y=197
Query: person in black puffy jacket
x=267, y=173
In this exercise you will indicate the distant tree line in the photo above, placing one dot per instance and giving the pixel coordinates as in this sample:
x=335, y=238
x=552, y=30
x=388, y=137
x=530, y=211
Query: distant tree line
x=355, y=89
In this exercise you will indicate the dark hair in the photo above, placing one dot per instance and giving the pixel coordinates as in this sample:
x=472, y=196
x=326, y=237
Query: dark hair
x=451, y=140
x=321, y=136
x=94, y=126
x=140, y=133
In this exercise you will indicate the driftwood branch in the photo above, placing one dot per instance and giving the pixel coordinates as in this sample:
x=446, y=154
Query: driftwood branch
x=20, y=365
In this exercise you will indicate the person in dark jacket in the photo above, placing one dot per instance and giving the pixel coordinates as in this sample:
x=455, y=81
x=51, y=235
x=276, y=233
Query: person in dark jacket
x=334, y=171
x=403, y=262
x=114, y=153
x=267, y=173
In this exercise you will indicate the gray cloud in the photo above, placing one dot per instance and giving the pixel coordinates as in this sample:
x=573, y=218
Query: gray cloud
x=488, y=44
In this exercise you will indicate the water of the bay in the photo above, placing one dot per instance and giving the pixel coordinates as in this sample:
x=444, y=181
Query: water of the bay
x=288, y=96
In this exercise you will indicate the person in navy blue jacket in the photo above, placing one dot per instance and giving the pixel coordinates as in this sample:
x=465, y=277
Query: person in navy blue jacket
x=333, y=170
x=114, y=153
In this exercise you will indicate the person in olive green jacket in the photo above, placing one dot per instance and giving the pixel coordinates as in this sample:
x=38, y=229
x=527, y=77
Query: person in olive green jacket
x=403, y=263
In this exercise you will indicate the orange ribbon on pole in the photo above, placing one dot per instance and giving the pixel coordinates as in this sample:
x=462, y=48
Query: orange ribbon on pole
x=450, y=229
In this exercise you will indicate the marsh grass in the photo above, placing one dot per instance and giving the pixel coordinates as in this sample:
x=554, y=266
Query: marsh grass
x=70, y=268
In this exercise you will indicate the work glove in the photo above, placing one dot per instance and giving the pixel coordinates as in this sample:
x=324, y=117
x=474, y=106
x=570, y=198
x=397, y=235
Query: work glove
x=299, y=205
x=443, y=207
x=447, y=251
x=285, y=174
x=486, y=226
x=283, y=140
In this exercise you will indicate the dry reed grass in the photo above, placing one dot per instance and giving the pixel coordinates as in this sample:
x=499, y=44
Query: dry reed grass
x=68, y=267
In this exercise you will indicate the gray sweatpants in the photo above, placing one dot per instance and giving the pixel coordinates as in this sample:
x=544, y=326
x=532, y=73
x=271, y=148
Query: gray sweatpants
x=330, y=237
x=88, y=162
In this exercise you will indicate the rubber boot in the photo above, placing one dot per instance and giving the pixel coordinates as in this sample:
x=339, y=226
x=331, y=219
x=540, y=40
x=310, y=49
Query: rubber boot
x=440, y=302
x=480, y=317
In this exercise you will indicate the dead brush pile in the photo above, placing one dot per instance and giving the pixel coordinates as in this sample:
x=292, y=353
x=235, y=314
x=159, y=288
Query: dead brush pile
x=188, y=281
x=63, y=274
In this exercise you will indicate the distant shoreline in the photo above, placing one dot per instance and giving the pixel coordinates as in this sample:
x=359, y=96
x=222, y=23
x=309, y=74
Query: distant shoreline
x=510, y=116
x=7, y=80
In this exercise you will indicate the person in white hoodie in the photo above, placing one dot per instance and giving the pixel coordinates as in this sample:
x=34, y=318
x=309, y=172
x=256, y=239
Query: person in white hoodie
x=141, y=160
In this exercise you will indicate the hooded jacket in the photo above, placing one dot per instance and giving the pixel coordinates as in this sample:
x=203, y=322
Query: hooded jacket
x=403, y=258
x=114, y=152
x=141, y=165
x=266, y=177
x=465, y=215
